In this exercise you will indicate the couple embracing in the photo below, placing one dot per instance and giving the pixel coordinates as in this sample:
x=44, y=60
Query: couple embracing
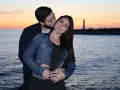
x=46, y=51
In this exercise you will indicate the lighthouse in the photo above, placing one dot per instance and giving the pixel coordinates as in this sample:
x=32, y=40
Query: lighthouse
x=83, y=24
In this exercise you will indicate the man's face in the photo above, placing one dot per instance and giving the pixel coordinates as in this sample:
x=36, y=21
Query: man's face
x=50, y=21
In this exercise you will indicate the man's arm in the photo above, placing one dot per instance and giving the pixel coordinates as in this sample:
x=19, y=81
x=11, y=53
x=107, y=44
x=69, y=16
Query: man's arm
x=23, y=41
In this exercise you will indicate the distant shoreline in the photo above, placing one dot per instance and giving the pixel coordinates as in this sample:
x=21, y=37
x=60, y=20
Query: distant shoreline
x=104, y=31
x=90, y=31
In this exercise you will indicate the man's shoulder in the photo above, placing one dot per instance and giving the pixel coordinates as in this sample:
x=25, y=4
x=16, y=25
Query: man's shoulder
x=42, y=35
x=32, y=26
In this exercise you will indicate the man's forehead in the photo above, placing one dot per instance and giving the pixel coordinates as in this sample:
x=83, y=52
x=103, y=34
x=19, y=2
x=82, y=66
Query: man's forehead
x=51, y=15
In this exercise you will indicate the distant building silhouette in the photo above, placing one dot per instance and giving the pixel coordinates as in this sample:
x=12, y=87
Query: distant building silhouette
x=83, y=24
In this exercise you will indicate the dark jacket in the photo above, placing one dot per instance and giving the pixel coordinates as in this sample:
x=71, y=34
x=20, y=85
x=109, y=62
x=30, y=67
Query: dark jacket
x=27, y=35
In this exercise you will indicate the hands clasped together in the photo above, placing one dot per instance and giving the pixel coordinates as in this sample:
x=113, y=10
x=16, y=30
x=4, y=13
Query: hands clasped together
x=54, y=76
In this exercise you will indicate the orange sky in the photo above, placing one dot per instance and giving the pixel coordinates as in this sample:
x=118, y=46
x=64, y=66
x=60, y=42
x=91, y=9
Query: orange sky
x=97, y=13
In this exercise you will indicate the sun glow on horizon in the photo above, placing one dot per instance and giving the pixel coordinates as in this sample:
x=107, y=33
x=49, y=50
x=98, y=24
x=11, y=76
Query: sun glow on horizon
x=97, y=13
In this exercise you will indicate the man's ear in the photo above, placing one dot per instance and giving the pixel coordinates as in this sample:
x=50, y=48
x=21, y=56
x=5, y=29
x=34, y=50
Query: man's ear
x=42, y=23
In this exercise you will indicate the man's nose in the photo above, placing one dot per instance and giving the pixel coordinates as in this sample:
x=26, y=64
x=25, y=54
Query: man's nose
x=54, y=21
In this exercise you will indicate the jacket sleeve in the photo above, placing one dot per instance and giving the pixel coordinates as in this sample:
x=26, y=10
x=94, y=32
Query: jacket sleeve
x=69, y=66
x=28, y=56
x=22, y=41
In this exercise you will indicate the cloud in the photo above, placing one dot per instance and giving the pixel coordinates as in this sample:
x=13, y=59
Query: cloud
x=10, y=12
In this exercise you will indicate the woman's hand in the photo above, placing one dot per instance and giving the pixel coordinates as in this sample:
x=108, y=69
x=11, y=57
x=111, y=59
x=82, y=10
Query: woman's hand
x=57, y=75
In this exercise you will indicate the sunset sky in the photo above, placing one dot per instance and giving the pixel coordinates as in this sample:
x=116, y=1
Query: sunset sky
x=18, y=14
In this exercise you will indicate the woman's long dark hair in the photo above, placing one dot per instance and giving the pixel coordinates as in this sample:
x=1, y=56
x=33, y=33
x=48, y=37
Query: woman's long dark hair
x=66, y=39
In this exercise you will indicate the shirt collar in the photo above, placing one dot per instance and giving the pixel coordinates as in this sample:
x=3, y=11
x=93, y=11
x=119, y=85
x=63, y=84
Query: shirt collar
x=45, y=30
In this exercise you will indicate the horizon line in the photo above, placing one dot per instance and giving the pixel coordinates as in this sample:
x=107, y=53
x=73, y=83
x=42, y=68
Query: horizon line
x=74, y=28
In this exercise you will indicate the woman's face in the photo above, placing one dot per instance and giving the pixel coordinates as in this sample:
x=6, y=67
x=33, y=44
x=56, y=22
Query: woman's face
x=62, y=25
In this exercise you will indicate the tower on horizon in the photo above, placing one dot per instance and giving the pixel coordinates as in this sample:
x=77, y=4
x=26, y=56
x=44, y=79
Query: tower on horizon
x=83, y=24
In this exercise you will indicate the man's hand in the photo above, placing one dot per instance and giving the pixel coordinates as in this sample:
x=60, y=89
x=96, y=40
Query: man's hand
x=46, y=74
x=60, y=69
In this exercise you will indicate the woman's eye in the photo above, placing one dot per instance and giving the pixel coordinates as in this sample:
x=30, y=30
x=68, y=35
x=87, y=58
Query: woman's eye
x=66, y=26
x=61, y=21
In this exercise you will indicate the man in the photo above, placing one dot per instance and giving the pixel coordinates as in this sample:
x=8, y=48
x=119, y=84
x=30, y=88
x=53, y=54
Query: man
x=46, y=20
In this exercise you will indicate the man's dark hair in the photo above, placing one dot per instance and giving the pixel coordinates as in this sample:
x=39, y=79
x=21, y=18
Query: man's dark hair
x=42, y=13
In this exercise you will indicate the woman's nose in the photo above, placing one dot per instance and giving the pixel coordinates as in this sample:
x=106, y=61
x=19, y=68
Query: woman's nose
x=61, y=24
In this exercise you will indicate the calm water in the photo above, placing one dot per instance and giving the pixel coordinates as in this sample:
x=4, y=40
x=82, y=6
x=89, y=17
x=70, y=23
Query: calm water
x=97, y=59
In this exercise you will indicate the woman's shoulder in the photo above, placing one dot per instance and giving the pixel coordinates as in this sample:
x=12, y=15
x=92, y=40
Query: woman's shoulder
x=39, y=37
x=41, y=34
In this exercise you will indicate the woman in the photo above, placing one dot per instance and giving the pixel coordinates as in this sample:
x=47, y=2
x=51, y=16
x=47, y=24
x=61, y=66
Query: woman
x=48, y=53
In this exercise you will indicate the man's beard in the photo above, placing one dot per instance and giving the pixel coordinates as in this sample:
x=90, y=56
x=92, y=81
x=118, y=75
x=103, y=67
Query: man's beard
x=51, y=28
